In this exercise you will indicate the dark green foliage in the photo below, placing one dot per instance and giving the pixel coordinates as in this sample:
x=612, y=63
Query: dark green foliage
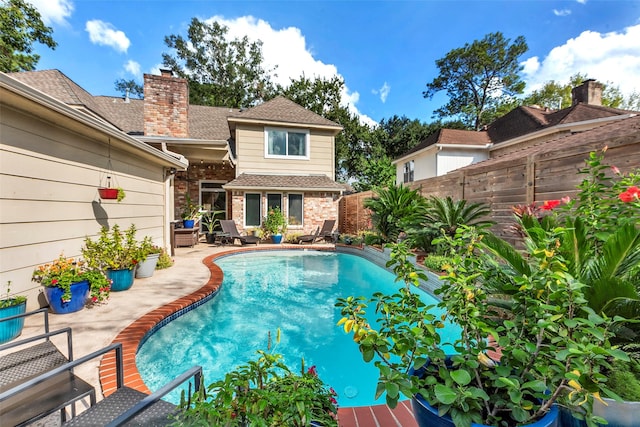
x=624, y=379
x=135, y=90
x=477, y=75
x=395, y=209
x=20, y=27
x=220, y=72
x=447, y=214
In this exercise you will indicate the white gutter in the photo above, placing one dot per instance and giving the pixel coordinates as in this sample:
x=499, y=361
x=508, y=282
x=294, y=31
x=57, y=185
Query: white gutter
x=483, y=146
x=171, y=153
x=557, y=128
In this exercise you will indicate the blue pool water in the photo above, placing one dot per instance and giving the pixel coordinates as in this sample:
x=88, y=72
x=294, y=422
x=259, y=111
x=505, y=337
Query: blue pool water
x=262, y=291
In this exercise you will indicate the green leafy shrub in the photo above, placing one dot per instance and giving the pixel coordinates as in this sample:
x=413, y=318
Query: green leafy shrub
x=437, y=262
x=164, y=261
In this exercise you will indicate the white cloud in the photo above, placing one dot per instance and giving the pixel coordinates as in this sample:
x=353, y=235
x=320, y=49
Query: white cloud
x=286, y=50
x=607, y=57
x=582, y=1
x=383, y=92
x=105, y=34
x=563, y=12
x=132, y=67
x=53, y=11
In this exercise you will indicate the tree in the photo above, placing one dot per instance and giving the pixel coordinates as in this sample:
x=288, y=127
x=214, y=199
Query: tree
x=355, y=151
x=20, y=27
x=477, y=75
x=556, y=95
x=221, y=73
x=135, y=90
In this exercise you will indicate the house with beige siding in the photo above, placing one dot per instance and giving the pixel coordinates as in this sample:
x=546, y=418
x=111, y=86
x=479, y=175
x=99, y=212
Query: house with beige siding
x=241, y=162
x=526, y=126
x=56, y=150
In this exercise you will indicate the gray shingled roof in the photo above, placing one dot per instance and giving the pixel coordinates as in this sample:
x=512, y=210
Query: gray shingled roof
x=524, y=120
x=207, y=123
x=284, y=182
x=283, y=110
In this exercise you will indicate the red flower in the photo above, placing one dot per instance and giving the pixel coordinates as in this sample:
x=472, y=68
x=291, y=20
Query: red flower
x=550, y=204
x=632, y=193
x=615, y=170
x=312, y=370
x=54, y=281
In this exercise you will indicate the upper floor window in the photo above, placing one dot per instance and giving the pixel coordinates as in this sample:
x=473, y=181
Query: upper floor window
x=286, y=143
x=408, y=171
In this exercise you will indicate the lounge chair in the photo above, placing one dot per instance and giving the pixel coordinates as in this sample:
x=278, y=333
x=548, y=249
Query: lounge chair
x=229, y=227
x=309, y=238
x=326, y=232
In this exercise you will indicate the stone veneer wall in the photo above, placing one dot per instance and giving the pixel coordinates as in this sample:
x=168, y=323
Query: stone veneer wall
x=380, y=258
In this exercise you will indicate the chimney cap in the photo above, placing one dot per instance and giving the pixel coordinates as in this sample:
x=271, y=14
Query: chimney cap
x=168, y=72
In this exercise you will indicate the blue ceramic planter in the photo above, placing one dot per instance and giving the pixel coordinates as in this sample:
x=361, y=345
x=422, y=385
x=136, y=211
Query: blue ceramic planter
x=427, y=416
x=121, y=280
x=188, y=223
x=10, y=329
x=79, y=295
x=276, y=238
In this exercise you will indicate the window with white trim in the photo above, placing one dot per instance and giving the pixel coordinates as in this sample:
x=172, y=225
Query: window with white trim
x=286, y=143
x=408, y=171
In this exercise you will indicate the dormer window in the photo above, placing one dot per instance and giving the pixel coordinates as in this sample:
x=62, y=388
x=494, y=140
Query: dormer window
x=286, y=143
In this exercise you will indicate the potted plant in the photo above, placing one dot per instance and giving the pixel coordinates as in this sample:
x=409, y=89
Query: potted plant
x=116, y=253
x=111, y=193
x=524, y=305
x=68, y=283
x=264, y=392
x=11, y=305
x=274, y=224
x=210, y=222
x=190, y=213
x=149, y=256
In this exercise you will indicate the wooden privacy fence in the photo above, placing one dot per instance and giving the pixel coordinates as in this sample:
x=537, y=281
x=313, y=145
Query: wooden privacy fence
x=535, y=174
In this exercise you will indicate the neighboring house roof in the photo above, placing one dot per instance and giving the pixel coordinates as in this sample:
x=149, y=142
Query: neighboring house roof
x=283, y=110
x=450, y=137
x=608, y=131
x=284, y=182
x=526, y=119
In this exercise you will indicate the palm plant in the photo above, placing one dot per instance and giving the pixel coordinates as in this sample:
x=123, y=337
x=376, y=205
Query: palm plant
x=447, y=214
x=395, y=209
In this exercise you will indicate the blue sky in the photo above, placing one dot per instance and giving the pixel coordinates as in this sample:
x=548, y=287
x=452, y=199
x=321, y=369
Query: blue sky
x=384, y=50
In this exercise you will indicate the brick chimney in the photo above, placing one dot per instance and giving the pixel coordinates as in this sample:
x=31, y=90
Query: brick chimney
x=589, y=92
x=166, y=105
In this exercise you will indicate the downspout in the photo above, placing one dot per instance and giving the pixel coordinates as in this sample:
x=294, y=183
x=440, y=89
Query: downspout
x=171, y=153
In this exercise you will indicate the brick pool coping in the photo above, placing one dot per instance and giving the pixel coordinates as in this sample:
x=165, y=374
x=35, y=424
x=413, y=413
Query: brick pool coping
x=134, y=335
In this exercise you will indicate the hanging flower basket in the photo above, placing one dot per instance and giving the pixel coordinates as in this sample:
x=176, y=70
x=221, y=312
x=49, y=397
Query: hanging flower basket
x=108, y=193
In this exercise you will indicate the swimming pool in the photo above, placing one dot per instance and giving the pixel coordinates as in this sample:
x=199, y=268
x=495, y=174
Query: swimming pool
x=292, y=290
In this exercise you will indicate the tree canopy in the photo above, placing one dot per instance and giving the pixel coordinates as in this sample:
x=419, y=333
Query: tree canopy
x=477, y=75
x=20, y=27
x=135, y=90
x=221, y=73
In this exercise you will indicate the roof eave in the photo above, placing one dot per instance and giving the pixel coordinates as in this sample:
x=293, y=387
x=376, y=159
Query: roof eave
x=132, y=144
x=334, y=128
